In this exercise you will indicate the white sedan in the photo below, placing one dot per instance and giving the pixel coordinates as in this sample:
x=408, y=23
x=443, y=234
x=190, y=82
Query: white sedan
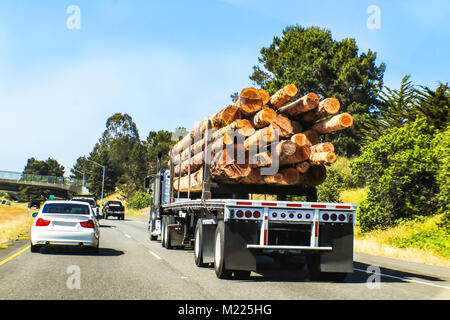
x=68, y=223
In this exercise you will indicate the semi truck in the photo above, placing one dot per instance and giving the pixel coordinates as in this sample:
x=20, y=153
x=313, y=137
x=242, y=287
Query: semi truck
x=228, y=228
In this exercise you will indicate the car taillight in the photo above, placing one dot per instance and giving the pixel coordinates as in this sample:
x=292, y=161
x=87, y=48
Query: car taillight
x=256, y=214
x=239, y=214
x=248, y=214
x=87, y=224
x=42, y=222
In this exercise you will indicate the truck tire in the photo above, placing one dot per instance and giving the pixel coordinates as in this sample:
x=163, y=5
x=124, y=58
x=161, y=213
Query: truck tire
x=167, y=239
x=163, y=230
x=314, y=273
x=150, y=229
x=219, y=258
x=198, y=245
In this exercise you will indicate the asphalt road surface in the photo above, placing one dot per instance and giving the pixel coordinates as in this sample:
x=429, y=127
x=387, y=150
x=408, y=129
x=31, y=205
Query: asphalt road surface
x=129, y=266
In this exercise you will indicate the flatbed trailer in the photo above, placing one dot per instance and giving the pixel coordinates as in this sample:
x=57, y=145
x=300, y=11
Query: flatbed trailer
x=228, y=229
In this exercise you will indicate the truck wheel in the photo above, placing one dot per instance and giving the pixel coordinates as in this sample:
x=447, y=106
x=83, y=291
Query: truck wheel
x=313, y=263
x=167, y=244
x=198, y=245
x=163, y=231
x=219, y=259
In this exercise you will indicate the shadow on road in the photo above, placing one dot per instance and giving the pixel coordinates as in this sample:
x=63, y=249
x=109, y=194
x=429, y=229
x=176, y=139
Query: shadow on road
x=105, y=252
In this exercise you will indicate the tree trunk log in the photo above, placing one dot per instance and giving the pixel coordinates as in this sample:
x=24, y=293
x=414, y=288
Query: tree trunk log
x=282, y=96
x=322, y=158
x=302, y=153
x=260, y=138
x=322, y=147
x=304, y=104
x=336, y=123
x=325, y=108
x=302, y=167
x=264, y=117
x=249, y=102
x=195, y=185
x=315, y=175
x=254, y=177
x=283, y=126
x=306, y=138
x=264, y=96
x=225, y=116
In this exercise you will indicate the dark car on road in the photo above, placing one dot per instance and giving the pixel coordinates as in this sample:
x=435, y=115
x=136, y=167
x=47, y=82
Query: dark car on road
x=34, y=203
x=113, y=209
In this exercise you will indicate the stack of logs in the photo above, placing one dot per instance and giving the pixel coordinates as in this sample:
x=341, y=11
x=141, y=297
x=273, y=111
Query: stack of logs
x=260, y=132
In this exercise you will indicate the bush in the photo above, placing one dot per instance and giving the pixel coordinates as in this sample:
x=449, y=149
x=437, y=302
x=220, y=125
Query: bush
x=140, y=200
x=442, y=152
x=400, y=171
x=329, y=190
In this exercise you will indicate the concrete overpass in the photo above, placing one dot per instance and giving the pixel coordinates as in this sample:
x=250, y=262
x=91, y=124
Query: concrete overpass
x=11, y=181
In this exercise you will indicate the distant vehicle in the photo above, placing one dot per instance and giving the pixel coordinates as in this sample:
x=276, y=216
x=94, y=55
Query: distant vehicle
x=65, y=223
x=114, y=209
x=34, y=203
x=91, y=201
x=3, y=201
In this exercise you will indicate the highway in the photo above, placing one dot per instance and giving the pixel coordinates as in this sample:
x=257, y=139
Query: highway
x=129, y=266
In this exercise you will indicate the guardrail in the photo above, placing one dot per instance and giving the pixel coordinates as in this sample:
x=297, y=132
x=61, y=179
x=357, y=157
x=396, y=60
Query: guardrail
x=26, y=177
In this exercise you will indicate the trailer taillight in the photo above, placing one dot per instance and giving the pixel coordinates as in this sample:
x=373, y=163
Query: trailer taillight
x=248, y=214
x=341, y=217
x=325, y=216
x=239, y=213
x=333, y=217
x=256, y=214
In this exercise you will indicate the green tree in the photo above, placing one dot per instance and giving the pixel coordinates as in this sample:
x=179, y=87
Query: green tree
x=315, y=62
x=400, y=172
x=159, y=142
x=49, y=167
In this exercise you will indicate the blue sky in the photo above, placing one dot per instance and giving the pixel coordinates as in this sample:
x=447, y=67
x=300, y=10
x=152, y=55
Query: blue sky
x=171, y=63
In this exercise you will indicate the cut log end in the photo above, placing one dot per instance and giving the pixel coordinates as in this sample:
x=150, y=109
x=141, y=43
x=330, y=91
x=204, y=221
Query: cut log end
x=264, y=96
x=330, y=105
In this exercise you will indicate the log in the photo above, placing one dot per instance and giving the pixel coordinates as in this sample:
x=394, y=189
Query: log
x=302, y=153
x=302, y=167
x=304, y=104
x=282, y=96
x=260, y=138
x=182, y=144
x=226, y=169
x=264, y=117
x=322, y=158
x=284, y=150
x=254, y=177
x=195, y=183
x=283, y=126
x=315, y=175
x=196, y=163
x=325, y=108
x=239, y=127
x=290, y=176
x=225, y=116
x=306, y=138
x=322, y=147
x=335, y=123
x=249, y=102
x=264, y=96
x=276, y=178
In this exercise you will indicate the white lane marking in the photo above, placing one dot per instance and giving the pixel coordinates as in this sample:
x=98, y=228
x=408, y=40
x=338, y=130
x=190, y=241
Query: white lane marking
x=127, y=235
x=404, y=279
x=155, y=255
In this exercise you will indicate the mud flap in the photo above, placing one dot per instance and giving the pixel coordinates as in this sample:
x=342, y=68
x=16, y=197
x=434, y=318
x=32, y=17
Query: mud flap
x=340, y=259
x=237, y=236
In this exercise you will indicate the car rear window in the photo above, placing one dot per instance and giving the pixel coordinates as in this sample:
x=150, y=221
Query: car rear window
x=66, y=208
x=115, y=203
x=91, y=202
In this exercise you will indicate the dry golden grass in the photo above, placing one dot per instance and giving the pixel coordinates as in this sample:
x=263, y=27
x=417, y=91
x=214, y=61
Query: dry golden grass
x=14, y=222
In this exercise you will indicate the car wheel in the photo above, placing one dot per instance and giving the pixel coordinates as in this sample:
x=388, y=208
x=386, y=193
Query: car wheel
x=35, y=248
x=167, y=239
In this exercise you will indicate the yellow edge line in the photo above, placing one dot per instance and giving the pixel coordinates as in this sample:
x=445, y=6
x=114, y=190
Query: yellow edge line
x=14, y=255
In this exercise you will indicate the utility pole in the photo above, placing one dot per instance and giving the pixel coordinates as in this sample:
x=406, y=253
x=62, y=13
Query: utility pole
x=103, y=183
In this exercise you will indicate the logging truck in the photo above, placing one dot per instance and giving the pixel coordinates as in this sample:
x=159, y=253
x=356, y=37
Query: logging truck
x=210, y=197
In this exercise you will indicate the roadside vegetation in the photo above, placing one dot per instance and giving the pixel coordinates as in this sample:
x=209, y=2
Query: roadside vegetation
x=15, y=222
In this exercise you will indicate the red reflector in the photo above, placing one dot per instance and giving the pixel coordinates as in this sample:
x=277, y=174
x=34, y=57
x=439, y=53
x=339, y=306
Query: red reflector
x=42, y=222
x=274, y=214
x=294, y=205
x=308, y=216
x=341, y=217
x=265, y=237
x=256, y=214
x=316, y=229
x=333, y=217
x=244, y=203
x=342, y=207
x=325, y=216
x=323, y=206
x=291, y=215
x=299, y=216
x=283, y=215
x=272, y=204
x=87, y=224
x=239, y=213
x=248, y=214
